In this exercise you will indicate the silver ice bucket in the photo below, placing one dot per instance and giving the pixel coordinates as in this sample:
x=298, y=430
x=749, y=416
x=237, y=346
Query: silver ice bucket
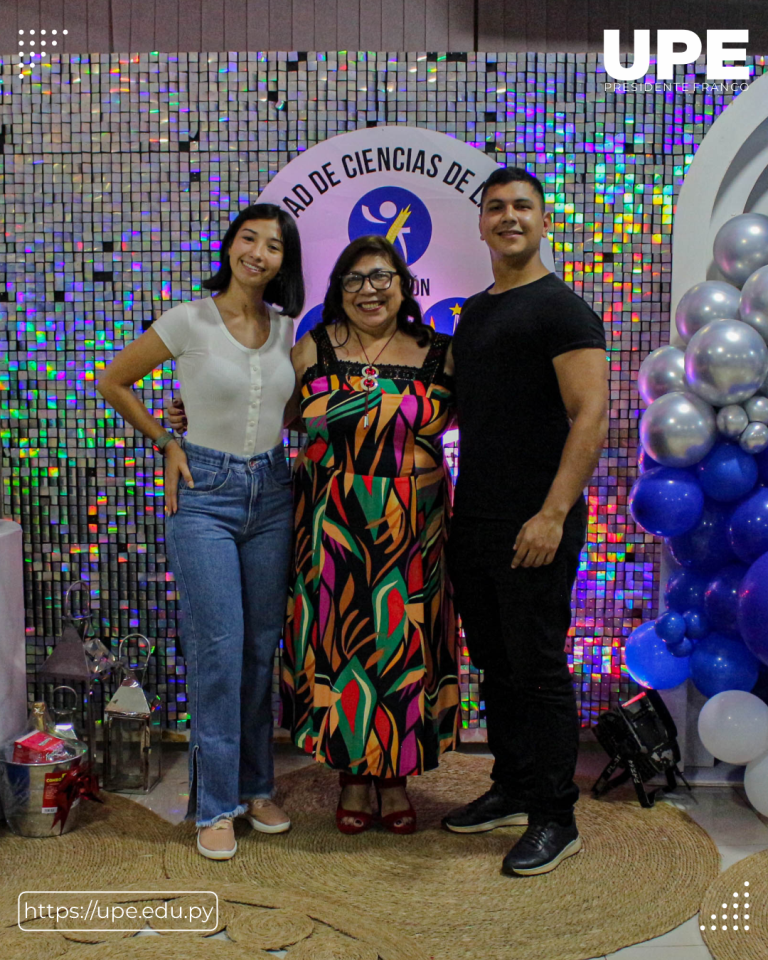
x=27, y=793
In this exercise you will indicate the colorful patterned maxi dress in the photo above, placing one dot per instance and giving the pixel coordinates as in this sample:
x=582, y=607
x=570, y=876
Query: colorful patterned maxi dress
x=369, y=673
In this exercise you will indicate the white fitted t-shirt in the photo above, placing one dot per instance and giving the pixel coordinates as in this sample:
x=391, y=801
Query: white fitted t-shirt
x=234, y=396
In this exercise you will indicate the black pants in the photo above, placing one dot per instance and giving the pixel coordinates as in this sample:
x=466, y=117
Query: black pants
x=516, y=623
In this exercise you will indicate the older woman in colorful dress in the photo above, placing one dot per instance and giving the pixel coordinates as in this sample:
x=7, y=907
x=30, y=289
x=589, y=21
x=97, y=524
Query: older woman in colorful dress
x=369, y=675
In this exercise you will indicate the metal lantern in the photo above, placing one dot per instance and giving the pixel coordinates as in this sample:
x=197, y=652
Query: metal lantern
x=78, y=657
x=132, y=730
x=64, y=716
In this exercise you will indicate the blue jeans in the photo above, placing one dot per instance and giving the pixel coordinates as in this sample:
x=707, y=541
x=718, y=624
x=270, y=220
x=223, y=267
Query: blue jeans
x=229, y=547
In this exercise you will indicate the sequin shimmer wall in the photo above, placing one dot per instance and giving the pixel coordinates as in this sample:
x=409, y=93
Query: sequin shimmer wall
x=120, y=174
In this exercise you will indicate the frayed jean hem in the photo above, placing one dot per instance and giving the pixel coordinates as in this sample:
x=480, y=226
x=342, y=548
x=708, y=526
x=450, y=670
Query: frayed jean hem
x=239, y=810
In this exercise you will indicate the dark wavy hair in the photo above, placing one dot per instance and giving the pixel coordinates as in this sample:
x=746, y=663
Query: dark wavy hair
x=287, y=288
x=409, y=318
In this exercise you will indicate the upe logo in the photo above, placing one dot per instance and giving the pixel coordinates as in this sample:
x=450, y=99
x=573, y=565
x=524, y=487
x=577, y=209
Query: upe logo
x=396, y=214
x=667, y=57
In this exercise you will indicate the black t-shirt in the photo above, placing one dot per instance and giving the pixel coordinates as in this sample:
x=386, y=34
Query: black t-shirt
x=512, y=421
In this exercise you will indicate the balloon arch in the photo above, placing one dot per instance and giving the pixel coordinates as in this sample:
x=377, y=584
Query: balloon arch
x=703, y=483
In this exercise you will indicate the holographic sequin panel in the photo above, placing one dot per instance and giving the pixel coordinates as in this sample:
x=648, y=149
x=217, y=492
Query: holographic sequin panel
x=120, y=174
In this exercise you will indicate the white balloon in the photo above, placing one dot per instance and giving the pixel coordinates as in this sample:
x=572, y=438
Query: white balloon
x=756, y=783
x=733, y=726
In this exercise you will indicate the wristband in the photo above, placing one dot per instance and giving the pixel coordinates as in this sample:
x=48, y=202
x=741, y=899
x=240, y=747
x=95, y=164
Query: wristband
x=162, y=441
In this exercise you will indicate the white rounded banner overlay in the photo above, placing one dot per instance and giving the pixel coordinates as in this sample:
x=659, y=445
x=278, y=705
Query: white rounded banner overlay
x=419, y=188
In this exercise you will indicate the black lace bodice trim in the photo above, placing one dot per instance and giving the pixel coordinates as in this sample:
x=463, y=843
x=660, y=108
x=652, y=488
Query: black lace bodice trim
x=431, y=371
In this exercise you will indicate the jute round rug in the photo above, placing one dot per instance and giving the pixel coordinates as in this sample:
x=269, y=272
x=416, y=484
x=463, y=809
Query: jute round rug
x=119, y=846
x=115, y=843
x=734, y=911
x=642, y=873
x=323, y=896
x=15, y=945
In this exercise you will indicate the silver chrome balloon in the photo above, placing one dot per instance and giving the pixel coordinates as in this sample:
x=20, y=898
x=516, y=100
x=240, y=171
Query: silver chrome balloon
x=678, y=429
x=741, y=246
x=708, y=300
x=753, y=308
x=732, y=421
x=661, y=372
x=755, y=438
x=756, y=409
x=726, y=362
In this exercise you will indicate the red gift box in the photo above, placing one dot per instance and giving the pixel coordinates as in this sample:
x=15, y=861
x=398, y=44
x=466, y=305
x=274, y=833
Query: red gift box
x=39, y=747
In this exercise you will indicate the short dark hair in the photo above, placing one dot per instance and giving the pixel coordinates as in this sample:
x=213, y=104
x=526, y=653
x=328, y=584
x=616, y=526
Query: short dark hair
x=512, y=175
x=287, y=288
x=409, y=318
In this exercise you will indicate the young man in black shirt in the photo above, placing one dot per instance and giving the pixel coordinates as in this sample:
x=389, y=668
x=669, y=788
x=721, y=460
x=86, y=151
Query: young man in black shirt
x=532, y=399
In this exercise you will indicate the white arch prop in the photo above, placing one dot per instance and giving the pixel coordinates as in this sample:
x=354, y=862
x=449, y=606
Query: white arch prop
x=728, y=176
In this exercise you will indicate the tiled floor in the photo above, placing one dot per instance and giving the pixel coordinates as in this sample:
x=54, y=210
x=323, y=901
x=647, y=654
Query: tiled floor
x=721, y=811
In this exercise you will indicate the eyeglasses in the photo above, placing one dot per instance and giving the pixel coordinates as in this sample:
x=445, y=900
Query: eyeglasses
x=379, y=280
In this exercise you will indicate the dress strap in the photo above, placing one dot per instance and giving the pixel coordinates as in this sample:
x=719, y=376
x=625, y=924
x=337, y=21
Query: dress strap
x=326, y=355
x=435, y=359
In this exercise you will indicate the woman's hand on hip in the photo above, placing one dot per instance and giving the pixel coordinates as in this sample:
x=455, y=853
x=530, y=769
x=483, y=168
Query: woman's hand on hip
x=175, y=465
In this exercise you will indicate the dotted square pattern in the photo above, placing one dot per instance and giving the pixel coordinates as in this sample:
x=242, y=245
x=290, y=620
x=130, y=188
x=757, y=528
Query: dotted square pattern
x=120, y=173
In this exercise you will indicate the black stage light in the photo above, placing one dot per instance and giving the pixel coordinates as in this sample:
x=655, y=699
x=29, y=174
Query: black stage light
x=640, y=736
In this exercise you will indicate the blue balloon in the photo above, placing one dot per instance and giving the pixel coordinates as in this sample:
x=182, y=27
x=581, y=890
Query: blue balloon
x=721, y=663
x=649, y=661
x=670, y=626
x=645, y=461
x=761, y=459
x=727, y=472
x=666, y=501
x=749, y=527
x=721, y=600
x=753, y=608
x=685, y=590
x=706, y=547
x=683, y=649
x=696, y=624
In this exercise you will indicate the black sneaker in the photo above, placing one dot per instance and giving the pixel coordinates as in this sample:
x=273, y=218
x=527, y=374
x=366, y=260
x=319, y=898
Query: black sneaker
x=491, y=810
x=541, y=848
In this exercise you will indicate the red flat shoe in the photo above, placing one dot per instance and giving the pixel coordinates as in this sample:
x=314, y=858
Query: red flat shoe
x=361, y=820
x=399, y=821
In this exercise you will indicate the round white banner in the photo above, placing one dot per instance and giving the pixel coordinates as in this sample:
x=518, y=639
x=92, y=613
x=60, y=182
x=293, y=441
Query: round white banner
x=419, y=188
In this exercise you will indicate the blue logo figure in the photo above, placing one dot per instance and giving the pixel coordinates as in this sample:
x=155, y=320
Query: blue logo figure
x=396, y=214
x=310, y=319
x=444, y=315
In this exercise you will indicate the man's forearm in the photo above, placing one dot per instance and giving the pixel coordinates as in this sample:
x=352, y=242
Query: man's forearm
x=580, y=456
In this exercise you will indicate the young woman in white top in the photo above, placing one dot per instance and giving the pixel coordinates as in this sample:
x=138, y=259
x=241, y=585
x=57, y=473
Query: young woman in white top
x=229, y=508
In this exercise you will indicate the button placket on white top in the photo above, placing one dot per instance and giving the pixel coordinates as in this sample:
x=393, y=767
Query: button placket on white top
x=254, y=403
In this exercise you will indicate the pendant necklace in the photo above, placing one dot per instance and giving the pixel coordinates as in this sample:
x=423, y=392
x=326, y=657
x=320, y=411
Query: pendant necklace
x=370, y=371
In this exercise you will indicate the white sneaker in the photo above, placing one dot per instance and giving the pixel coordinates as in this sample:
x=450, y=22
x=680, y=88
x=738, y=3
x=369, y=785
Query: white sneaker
x=266, y=817
x=220, y=843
